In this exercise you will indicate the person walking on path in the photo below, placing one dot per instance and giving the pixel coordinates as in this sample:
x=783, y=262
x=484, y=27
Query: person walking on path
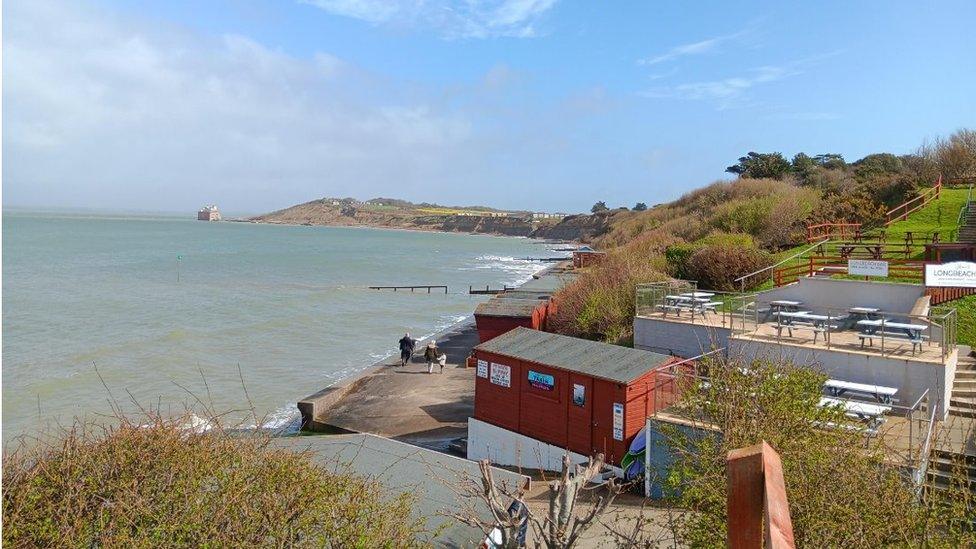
x=432, y=354
x=407, y=345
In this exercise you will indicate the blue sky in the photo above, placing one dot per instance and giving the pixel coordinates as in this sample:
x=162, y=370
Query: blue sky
x=537, y=104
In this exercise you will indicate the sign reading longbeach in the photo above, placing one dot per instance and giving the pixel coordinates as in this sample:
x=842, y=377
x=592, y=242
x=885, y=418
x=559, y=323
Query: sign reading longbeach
x=958, y=274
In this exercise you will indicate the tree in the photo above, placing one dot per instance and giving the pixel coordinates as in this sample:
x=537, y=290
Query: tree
x=956, y=156
x=567, y=520
x=760, y=165
x=842, y=493
x=600, y=206
x=640, y=207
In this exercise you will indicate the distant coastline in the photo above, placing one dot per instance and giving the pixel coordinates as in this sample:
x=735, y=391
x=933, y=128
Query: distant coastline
x=434, y=218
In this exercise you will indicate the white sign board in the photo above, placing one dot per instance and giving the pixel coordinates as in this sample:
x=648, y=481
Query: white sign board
x=867, y=267
x=483, y=368
x=958, y=274
x=501, y=375
x=618, y=421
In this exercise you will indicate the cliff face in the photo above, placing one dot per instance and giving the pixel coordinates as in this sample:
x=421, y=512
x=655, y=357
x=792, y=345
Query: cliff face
x=576, y=227
x=320, y=212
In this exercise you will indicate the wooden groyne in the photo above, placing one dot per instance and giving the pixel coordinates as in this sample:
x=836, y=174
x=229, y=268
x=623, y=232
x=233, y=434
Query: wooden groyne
x=488, y=290
x=411, y=288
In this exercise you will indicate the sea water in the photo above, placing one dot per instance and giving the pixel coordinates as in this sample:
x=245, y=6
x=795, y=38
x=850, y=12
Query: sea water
x=169, y=313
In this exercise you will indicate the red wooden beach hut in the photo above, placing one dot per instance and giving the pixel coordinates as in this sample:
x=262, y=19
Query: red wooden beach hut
x=572, y=393
x=506, y=312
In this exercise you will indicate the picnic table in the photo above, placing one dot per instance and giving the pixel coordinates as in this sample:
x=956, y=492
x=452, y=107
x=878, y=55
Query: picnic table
x=785, y=305
x=882, y=394
x=879, y=328
x=872, y=414
x=689, y=302
x=820, y=324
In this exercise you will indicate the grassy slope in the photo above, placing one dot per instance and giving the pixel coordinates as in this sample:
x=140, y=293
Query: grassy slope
x=942, y=215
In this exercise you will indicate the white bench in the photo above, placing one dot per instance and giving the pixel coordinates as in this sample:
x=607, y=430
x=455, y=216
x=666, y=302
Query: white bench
x=836, y=388
x=872, y=414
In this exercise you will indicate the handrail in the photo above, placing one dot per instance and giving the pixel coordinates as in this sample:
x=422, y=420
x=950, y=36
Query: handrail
x=965, y=208
x=792, y=257
x=924, y=197
x=923, y=458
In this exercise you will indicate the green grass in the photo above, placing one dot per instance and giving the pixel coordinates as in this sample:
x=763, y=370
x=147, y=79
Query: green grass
x=966, y=309
x=939, y=215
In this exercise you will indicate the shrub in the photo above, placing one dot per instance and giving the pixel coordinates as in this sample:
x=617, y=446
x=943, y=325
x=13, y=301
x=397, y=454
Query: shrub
x=716, y=267
x=159, y=485
x=599, y=304
x=841, y=491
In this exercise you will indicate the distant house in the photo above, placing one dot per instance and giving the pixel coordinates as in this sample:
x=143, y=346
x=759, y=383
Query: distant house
x=208, y=213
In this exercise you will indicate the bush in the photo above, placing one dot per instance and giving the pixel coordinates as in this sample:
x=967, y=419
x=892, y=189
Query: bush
x=599, y=304
x=716, y=267
x=841, y=492
x=159, y=485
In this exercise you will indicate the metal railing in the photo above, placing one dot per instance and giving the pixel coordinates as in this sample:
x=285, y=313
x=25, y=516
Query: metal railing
x=964, y=211
x=877, y=332
x=717, y=310
x=839, y=328
x=924, y=454
x=751, y=277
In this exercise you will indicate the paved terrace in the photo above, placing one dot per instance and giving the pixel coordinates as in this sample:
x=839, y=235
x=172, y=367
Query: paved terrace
x=839, y=340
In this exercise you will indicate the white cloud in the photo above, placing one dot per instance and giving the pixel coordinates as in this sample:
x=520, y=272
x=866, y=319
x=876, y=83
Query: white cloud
x=694, y=48
x=452, y=19
x=103, y=111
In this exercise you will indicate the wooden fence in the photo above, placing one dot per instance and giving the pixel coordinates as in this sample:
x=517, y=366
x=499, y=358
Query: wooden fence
x=900, y=213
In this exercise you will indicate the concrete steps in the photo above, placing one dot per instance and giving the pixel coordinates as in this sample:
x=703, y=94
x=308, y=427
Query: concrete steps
x=942, y=468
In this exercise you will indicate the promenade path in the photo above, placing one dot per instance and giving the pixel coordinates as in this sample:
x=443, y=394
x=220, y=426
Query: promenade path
x=406, y=404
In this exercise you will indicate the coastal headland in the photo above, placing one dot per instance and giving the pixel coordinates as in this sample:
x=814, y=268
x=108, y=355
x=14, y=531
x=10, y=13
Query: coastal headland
x=399, y=214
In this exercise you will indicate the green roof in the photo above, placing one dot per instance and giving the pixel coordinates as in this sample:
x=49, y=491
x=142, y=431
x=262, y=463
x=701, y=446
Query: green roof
x=592, y=358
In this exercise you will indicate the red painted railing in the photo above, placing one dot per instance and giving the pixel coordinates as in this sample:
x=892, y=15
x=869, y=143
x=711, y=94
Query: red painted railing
x=897, y=268
x=842, y=231
x=900, y=213
x=942, y=295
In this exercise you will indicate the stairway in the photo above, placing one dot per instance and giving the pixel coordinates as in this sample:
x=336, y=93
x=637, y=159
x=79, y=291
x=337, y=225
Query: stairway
x=956, y=446
x=963, y=400
x=967, y=231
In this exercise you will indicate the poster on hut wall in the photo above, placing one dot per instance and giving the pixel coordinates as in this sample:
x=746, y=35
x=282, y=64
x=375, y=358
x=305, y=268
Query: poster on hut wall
x=501, y=375
x=618, y=421
x=483, y=368
x=579, y=394
x=541, y=381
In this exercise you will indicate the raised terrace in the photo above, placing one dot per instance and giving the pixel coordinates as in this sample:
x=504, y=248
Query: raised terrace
x=863, y=332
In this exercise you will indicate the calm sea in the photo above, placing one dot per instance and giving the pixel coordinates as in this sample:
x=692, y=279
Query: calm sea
x=155, y=301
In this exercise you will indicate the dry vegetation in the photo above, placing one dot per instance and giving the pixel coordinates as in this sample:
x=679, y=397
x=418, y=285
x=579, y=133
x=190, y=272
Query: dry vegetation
x=731, y=228
x=841, y=492
x=159, y=485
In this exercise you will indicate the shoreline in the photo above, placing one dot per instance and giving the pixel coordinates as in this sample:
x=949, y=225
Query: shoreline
x=459, y=336
x=395, y=228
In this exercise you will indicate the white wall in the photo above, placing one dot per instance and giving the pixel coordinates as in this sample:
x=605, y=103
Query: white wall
x=911, y=378
x=677, y=338
x=510, y=449
x=819, y=294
